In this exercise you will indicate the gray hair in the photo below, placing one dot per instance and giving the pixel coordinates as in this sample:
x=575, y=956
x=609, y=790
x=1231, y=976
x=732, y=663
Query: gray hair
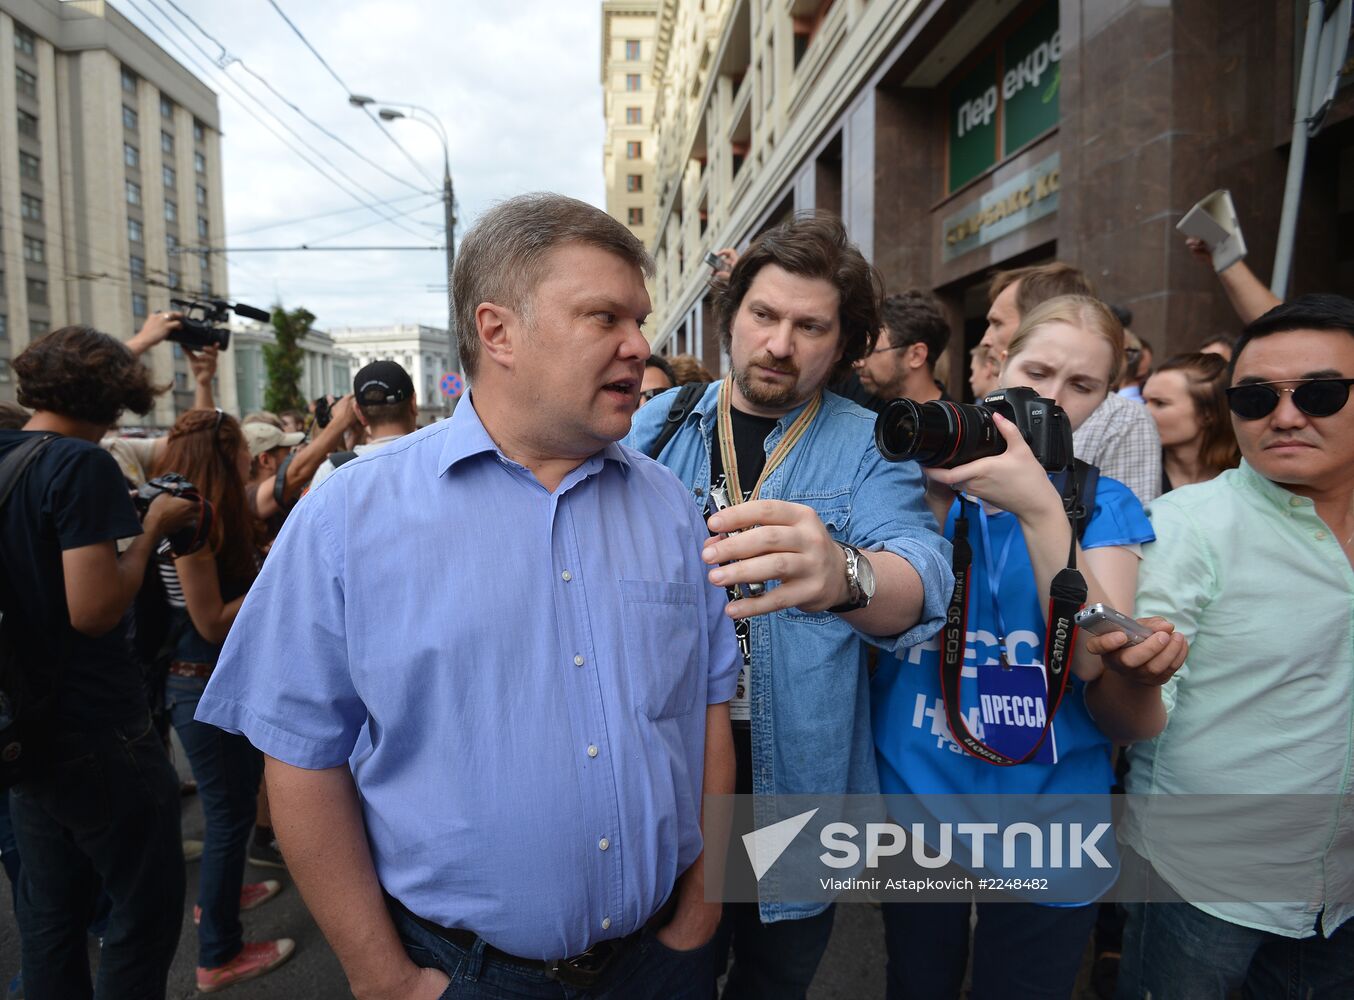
x=501, y=259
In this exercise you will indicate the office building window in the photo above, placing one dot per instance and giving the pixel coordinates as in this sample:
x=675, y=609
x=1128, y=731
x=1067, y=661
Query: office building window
x=171, y=244
x=128, y=80
x=201, y=227
x=30, y=167
x=134, y=231
x=199, y=163
x=634, y=182
x=180, y=381
x=169, y=176
x=199, y=131
x=166, y=107
x=138, y=305
x=37, y=291
x=30, y=208
x=128, y=118
x=204, y=261
x=634, y=216
x=174, y=278
x=138, y=266
x=33, y=250
x=133, y=193
x=634, y=150
x=4, y=334
x=634, y=116
x=26, y=83
x=38, y=328
x=171, y=212
x=632, y=49
x=166, y=143
x=631, y=81
x=201, y=195
x=131, y=155
x=25, y=41
x=28, y=124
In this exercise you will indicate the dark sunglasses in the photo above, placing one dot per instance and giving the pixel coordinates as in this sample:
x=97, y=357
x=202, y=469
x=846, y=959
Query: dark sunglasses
x=1316, y=397
x=649, y=394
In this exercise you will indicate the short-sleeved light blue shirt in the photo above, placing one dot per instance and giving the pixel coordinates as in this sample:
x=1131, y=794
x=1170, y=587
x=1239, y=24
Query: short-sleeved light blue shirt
x=528, y=671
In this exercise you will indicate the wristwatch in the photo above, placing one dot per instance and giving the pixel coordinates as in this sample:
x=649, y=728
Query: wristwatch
x=859, y=581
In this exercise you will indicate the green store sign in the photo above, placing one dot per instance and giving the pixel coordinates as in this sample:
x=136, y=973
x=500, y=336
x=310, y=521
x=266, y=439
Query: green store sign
x=1008, y=98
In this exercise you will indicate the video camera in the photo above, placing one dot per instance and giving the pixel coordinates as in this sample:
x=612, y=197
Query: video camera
x=203, y=322
x=942, y=435
x=187, y=540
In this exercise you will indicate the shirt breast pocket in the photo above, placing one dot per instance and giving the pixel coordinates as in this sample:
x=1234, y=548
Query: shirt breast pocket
x=662, y=627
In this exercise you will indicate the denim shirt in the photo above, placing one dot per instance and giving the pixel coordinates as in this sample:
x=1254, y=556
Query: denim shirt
x=810, y=710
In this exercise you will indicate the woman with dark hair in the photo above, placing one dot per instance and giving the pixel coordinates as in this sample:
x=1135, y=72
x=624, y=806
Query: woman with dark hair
x=205, y=590
x=1187, y=398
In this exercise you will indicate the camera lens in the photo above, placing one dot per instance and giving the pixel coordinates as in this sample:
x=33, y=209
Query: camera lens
x=937, y=434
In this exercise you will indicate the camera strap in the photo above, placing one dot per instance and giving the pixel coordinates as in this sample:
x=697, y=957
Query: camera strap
x=1067, y=595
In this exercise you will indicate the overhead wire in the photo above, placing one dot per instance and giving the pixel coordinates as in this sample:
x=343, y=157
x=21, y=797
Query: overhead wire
x=236, y=85
x=348, y=91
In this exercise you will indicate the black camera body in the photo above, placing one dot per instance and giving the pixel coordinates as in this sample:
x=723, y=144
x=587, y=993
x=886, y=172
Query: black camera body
x=203, y=321
x=942, y=435
x=187, y=540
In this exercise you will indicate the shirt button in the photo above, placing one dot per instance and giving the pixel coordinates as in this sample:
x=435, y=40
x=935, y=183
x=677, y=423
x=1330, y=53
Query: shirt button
x=1320, y=536
x=592, y=752
x=578, y=661
x=566, y=576
x=603, y=844
x=1295, y=501
x=606, y=923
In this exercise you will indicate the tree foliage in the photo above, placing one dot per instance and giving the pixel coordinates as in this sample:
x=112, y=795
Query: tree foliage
x=283, y=360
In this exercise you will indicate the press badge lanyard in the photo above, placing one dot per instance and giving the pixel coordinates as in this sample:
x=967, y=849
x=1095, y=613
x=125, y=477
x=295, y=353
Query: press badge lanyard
x=778, y=454
x=994, y=578
x=1067, y=594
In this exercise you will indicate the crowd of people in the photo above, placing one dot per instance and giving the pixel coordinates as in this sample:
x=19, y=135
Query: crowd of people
x=468, y=685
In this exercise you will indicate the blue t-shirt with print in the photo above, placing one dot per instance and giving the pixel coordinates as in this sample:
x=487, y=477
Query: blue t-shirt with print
x=914, y=748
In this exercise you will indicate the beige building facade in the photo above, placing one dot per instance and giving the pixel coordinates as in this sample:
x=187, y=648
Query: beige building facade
x=957, y=138
x=110, y=162
x=628, y=47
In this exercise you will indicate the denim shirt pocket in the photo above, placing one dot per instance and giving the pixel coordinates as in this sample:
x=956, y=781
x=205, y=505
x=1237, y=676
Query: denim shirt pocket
x=833, y=508
x=662, y=629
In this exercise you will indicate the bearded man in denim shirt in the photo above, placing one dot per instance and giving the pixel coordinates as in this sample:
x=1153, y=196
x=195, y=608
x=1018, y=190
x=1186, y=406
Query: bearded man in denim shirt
x=841, y=538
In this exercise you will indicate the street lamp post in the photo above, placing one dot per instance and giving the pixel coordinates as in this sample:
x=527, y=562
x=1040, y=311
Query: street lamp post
x=448, y=198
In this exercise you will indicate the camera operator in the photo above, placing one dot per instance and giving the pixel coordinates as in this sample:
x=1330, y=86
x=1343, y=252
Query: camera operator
x=278, y=475
x=102, y=805
x=205, y=589
x=384, y=402
x=1069, y=350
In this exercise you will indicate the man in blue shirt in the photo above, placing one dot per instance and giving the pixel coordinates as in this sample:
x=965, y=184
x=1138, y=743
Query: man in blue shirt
x=492, y=713
x=852, y=552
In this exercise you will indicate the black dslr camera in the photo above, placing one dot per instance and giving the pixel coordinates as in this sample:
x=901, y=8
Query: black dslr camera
x=187, y=540
x=203, y=322
x=943, y=435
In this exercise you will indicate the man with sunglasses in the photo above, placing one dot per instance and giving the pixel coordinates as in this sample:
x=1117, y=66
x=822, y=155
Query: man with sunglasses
x=1254, y=569
x=903, y=362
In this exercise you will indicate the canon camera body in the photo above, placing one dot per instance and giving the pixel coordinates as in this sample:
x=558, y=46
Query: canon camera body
x=942, y=434
x=187, y=540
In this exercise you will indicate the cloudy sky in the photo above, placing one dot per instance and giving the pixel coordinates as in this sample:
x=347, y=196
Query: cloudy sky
x=515, y=82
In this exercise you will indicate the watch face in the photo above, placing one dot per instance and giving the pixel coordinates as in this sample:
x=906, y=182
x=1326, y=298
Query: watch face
x=865, y=574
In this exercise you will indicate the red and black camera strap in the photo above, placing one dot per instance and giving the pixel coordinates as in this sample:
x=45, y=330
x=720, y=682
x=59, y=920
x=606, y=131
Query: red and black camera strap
x=1067, y=595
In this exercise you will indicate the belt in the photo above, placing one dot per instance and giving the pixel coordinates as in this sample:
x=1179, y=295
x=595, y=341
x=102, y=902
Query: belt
x=583, y=971
x=187, y=668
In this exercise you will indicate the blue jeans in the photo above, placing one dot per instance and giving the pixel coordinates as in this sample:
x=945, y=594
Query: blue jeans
x=648, y=971
x=104, y=810
x=227, y=770
x=1175, y=950
x=775, y=961
x=1020, y=950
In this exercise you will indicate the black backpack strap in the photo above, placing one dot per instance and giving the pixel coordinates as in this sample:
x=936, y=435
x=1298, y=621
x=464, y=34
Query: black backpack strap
x=16, y=463
x=338, y=458
x=682, y=407
x=280, y=481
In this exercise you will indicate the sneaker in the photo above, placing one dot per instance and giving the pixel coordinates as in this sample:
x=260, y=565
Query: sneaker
x=192, y=850
x=257, y=958
x=266, y=854
x=251, y=895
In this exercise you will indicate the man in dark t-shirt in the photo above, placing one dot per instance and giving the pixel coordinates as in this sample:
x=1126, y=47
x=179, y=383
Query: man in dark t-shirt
x=99, y=805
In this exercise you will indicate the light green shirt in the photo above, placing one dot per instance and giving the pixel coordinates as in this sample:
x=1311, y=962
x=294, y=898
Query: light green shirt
x=1263, y=706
